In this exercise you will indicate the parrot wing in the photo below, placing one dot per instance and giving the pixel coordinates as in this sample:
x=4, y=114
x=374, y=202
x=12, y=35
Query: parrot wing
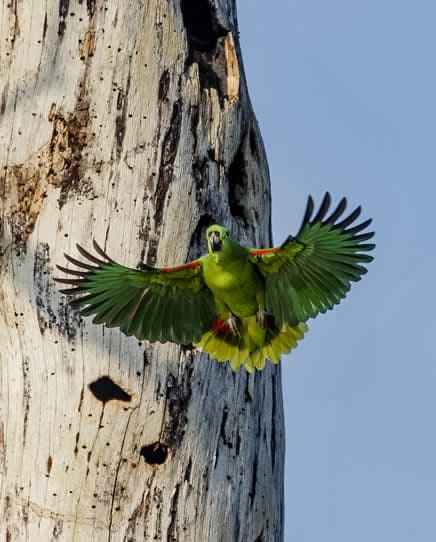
x=168, y=304
x=312, y=272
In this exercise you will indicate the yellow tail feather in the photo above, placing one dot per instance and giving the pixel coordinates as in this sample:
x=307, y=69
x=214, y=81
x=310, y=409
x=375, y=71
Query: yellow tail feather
x=253, y=345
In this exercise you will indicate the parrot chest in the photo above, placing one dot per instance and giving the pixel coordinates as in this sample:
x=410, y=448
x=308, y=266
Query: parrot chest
x=236, y=285
x=224, y=281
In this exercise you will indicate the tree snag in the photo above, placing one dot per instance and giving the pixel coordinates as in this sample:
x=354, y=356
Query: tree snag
x=130, y=123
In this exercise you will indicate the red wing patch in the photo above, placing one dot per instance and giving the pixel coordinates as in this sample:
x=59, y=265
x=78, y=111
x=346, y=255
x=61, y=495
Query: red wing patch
x=222, y=326
x=190, y=265
x=264, y=251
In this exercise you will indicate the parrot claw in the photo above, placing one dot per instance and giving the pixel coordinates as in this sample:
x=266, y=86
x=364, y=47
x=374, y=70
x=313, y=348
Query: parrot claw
x=231, y=322
x=262, y=317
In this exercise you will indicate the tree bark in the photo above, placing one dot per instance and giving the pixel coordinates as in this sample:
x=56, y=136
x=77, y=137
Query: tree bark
x=130, y=123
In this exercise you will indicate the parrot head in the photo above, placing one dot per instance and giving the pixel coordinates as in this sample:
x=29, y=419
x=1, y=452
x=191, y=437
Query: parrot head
x=217, y=238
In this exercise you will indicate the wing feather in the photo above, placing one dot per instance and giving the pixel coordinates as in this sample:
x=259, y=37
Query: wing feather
x=312, y=272
x=171, y=304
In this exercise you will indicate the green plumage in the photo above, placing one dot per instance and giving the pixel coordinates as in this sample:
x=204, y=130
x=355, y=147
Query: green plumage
x=238, y=304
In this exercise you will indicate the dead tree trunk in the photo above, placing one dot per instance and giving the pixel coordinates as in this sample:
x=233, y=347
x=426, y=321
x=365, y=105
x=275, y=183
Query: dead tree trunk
x=130, y=123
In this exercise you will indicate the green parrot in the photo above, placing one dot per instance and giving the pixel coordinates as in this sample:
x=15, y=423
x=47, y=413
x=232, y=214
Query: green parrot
x=238, y=304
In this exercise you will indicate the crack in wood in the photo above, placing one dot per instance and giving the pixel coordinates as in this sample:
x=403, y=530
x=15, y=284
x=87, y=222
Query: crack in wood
x=188, y=470
x=49, y=513
x=27, y=394
x=172, y=532
x=115, y=479
x=273, y=421
x=169, y=152
x=90, y=6
x=3, y=99
x=121, y=118
x=164, y=85
x=197, y=243
x=44, y=27
x=49, y=464
x=178, y=395
x=63, y=13
x=138, y=512
x=57, y=529
x=65, y=319
x=253, y=482
x=237, y=179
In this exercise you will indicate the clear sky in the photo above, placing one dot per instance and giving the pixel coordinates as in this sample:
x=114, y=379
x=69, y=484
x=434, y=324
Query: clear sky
x=345, y=94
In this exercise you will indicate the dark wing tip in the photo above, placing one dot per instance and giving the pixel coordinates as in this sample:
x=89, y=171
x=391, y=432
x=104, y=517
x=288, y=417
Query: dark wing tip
x=89, y=256
x=343, y=225
x=349, y=219
x=71, y=271
x=71, y=291
x=363, y=236
x=367, y=246
x=101, y=252
x=324, y=207
x=337, y=212
x=308, y=212
x=359, y=227
x=83, y=265
x=74, y=282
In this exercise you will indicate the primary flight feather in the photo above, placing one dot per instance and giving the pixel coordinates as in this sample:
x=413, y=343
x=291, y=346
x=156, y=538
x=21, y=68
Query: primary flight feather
x=237, y=304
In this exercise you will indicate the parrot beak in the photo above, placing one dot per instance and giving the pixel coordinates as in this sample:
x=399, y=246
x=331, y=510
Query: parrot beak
x=215, y=242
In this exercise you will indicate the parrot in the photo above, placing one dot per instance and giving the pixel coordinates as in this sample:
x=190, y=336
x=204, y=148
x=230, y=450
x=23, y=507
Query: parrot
x=239, y=305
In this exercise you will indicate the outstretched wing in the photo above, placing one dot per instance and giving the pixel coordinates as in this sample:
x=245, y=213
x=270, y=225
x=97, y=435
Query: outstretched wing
x=169, y=304
x=312, y=272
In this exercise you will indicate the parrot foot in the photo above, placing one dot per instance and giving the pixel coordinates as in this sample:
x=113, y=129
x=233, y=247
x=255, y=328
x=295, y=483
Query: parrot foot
x=231, y=322
x=263, y=317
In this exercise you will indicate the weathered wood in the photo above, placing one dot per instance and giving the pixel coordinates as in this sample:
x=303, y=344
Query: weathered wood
x=130, y=123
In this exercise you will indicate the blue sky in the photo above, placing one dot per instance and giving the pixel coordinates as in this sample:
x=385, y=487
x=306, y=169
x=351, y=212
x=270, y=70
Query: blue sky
x=345, y=95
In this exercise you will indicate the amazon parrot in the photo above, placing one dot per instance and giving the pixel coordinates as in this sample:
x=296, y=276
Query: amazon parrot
x=238, y=304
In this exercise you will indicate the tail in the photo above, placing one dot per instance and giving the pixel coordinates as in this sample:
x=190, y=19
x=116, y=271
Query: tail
x=252, y=345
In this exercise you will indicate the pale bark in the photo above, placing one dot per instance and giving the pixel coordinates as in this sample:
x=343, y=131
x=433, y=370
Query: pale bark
x=128, y=122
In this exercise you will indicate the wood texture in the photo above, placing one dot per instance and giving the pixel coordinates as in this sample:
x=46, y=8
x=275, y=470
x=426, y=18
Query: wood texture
x=130, y=123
